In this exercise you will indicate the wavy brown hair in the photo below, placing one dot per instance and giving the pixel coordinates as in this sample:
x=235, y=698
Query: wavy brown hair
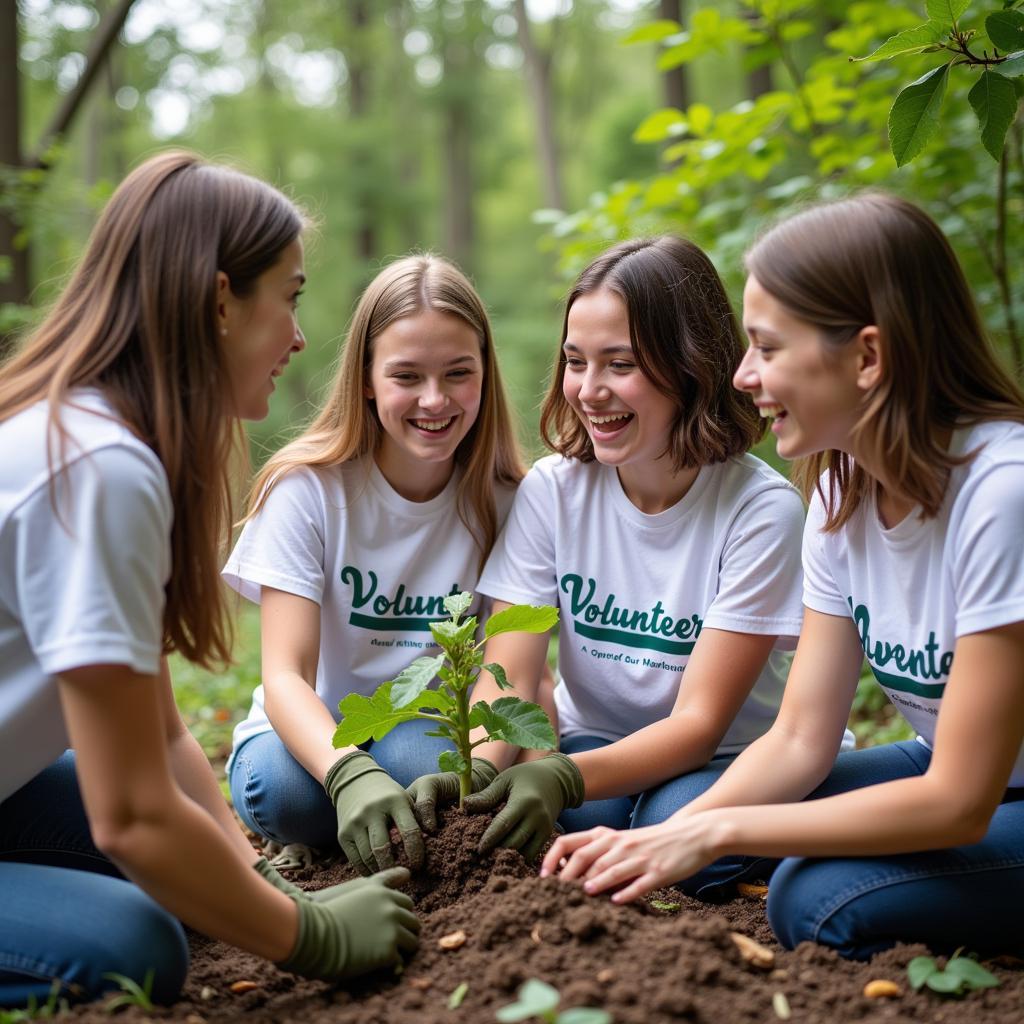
x=686, y=341
x=348, y=427
x=877, y=260
x=138, y=321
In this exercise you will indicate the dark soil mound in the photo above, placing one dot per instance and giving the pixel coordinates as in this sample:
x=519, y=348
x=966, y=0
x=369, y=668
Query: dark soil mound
x=669, y=960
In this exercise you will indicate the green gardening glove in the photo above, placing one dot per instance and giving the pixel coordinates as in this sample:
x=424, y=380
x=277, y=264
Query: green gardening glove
x=264, y=868
x=353, y=928
x=367, y=801
x=535, y=794
x=443, y=788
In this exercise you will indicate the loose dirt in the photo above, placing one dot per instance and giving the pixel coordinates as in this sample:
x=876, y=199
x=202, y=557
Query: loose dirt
x=667, y=960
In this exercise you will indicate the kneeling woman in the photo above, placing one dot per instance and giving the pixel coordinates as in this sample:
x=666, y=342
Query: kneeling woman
x=866, y=348
x=672, y=554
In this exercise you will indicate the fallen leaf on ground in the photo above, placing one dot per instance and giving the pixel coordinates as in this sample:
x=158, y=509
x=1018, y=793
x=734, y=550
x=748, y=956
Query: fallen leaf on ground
x=881, y=988
x=749, y=889
x=239, y=987
x=421, y=983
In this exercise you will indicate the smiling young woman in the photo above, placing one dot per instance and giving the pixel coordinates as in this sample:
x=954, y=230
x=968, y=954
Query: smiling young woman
x=673, y=555
x=358, y=529
x=867, y=349
x=119, y=424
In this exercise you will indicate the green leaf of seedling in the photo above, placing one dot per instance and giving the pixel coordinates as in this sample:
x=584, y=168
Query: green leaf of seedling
x=915, y=114
x=1012, y=67
x=584, y=1015
x=455, y=999
x=945, y=984
x=132, y=993
x=535, y=998
x=522, y=618
x=1006, y=30
x=518, y=722
x=365, y=718
x=994, y=100
x=456, y=605
x=499, y=676
x=946, y=10
x=413, y=680
x=663, y=905
x=436, y=700
x=910, y=40
x=653, y=32
x=451, y=761
x=920, y=969
x=973, y=975
x=448, y=635
x=442, y=732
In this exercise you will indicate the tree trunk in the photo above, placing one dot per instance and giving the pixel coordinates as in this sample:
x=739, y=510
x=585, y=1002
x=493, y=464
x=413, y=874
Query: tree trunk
x=457, y=120
x=538, y=75
x=674, y=81
x=14, y=281
x=759, y=79
x=358, y=86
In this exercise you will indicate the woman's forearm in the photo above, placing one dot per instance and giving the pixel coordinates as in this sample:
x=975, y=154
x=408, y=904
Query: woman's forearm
x=303, y=722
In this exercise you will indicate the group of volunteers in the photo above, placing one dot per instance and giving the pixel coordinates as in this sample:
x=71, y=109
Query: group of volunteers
x=694, y=747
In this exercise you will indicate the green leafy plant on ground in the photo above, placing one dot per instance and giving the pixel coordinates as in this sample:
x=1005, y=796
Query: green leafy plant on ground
x=132, y=993
x=537, y=999
x=54, y=1006
x=509, y=719
x=961, y=975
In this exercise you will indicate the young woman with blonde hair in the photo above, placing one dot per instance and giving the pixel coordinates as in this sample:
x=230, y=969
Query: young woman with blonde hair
x=358, y=530
x=867, y=352
x=119, y=420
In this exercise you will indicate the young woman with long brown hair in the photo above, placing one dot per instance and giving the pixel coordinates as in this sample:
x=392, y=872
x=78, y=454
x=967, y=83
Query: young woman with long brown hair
x=388, y=502
x=867, y=351
x=119, y=420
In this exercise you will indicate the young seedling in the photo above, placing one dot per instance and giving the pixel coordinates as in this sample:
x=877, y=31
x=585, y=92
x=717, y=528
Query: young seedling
x=132, y=993
x=510, y=719
x=537, y=999
x=962, y=974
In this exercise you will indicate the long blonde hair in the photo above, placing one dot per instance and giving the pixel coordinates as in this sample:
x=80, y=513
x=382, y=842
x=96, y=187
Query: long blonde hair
x=137, y=320
x=877, y=260
x=347, y=427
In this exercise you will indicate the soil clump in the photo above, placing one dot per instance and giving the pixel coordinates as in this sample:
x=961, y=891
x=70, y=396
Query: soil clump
x=669, y=959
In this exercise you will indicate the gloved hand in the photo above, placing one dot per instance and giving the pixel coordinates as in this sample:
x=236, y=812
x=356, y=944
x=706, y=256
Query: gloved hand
x=264, y=868
x=536, y=793
x=443, y=788
x=367, y=800
x=353, y=928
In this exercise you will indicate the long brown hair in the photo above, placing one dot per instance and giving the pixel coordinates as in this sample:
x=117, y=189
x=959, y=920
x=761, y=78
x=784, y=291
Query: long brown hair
x=686, y=341
x=877, y=260
x=138, y=321
x=348, y=427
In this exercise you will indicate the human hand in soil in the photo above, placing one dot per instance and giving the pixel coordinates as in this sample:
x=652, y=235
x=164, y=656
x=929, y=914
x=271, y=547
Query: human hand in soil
x=443, y=788
x=354, y=927
x=639, y=859
x=534, y=793
x=367, y=800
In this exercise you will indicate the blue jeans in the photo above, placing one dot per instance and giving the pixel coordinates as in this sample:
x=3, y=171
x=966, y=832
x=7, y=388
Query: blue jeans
x=615, y=812
x=277, y=798
x=970, y=896
x=67, y=913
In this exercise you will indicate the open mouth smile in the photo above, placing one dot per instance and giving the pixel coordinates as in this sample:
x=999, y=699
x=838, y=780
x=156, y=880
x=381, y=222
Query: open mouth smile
x=611, y=423
x=434, y=427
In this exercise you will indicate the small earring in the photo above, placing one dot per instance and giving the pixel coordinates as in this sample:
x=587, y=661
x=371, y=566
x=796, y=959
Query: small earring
x=224, y=331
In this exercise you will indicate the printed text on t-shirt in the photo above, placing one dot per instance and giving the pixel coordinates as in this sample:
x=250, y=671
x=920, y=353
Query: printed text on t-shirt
x=399, y=611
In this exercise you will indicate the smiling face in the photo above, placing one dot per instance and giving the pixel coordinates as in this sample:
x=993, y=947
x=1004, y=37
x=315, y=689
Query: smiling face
x=628, y=420
x=426, y=379
x=259, y=332
x=812, y=393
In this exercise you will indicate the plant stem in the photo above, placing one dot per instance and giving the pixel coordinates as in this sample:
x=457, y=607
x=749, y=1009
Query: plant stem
x=462, y=680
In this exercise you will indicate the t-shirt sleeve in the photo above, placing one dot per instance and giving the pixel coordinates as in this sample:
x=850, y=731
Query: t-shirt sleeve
x=283, y=545
x=759, y=575
x=91, y=570
x=521, y=566
x=821, y=593
x=988, y=551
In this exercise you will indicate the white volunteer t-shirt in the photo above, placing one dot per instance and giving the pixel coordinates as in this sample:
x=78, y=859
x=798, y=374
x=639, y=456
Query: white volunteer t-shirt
x=914, y=589
x=635, y=590
x=86, y=588
x=378, y=565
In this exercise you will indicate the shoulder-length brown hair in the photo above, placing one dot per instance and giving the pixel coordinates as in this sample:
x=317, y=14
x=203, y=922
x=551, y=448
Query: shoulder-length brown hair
x=138, y=320
x=877, y=260
x=347, y=426
x=686, y=341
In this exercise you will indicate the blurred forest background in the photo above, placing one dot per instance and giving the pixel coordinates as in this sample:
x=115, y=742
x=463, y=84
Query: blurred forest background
x=517, y=137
